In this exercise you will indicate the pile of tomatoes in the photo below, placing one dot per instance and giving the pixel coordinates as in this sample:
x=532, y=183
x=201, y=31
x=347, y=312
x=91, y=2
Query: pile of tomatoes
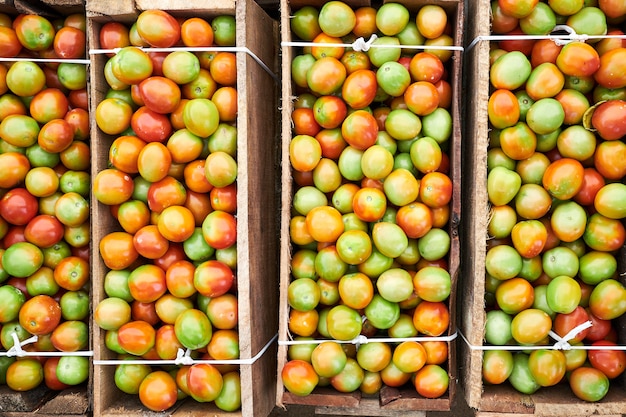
x=371, y=199
x=171, y=185
x=556, y=163
x=44, y=204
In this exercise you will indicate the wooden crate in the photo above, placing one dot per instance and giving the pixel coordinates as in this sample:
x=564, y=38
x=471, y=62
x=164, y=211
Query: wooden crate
x=48, y=8
x=74, y=401
x=390, y=401
x=555, y=401
x=257, y=150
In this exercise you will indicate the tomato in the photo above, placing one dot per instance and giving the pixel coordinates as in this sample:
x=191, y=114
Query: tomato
x=229, y=398
x=611, y=362
x=12, y=42
x=22, y=259
x=220, y=229
x=136, y=337
x=608, y=120
x=150, y=125
x=497, y=366
x=196, y=31
x=299, y=377
x=48, y=104
x=608, y=299
x=24, y=375
x=350, y=378
x=160, y=94
x=193, y=329
x=69, y=42
x=16, y=166
x=609, y=201
x=158, y=391
x=72, y=273
x=213, y=278
x=117, y=250
x=158, y=28
x=14, y=299
x=589, y=384
x=113, y=115
x=530, y=326
x=610, y=74
x=18, y=206
x=514, y=295
x=113, y=35
x=431, y=381
x=603, y=233
x=74, y=305
x=578, y=59
x=40, y=315
x=608, y=159
x=70, y=336
x=564, y=322
x=326, y=75
x=128, y=377
x=510, y=71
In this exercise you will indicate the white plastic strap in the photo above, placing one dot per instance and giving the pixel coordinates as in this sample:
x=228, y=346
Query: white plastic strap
x=16, y=349
x=557, y=346
x=184, y=358
x=47, y=60
x=562, y=343
x=361, y=45
x=560, y=40
x=363, y=340
x=196, y=49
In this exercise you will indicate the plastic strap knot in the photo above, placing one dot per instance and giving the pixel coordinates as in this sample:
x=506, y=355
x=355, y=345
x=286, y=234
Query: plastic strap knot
x=16, y=349
x=571, y=35
x=183, y=357
x=562, y=343
x=361, y=45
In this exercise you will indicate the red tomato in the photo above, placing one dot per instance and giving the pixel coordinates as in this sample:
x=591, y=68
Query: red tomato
x=151, y=126
x=18, y=206
x=113, y=35
x=609, y=119
x=611, y=362
x=563, y=323
x=44, y=231
x=69, y=43
x=50, y=374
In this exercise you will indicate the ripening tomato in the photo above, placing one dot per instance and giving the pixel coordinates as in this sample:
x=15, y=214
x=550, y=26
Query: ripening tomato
x=299, y=377
x=24, y=375
x=40, y=315
x=589, y=384
x=359, y=88
x=611, y=73
x=160, y=94
x=117, y=250
x=158, y=391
